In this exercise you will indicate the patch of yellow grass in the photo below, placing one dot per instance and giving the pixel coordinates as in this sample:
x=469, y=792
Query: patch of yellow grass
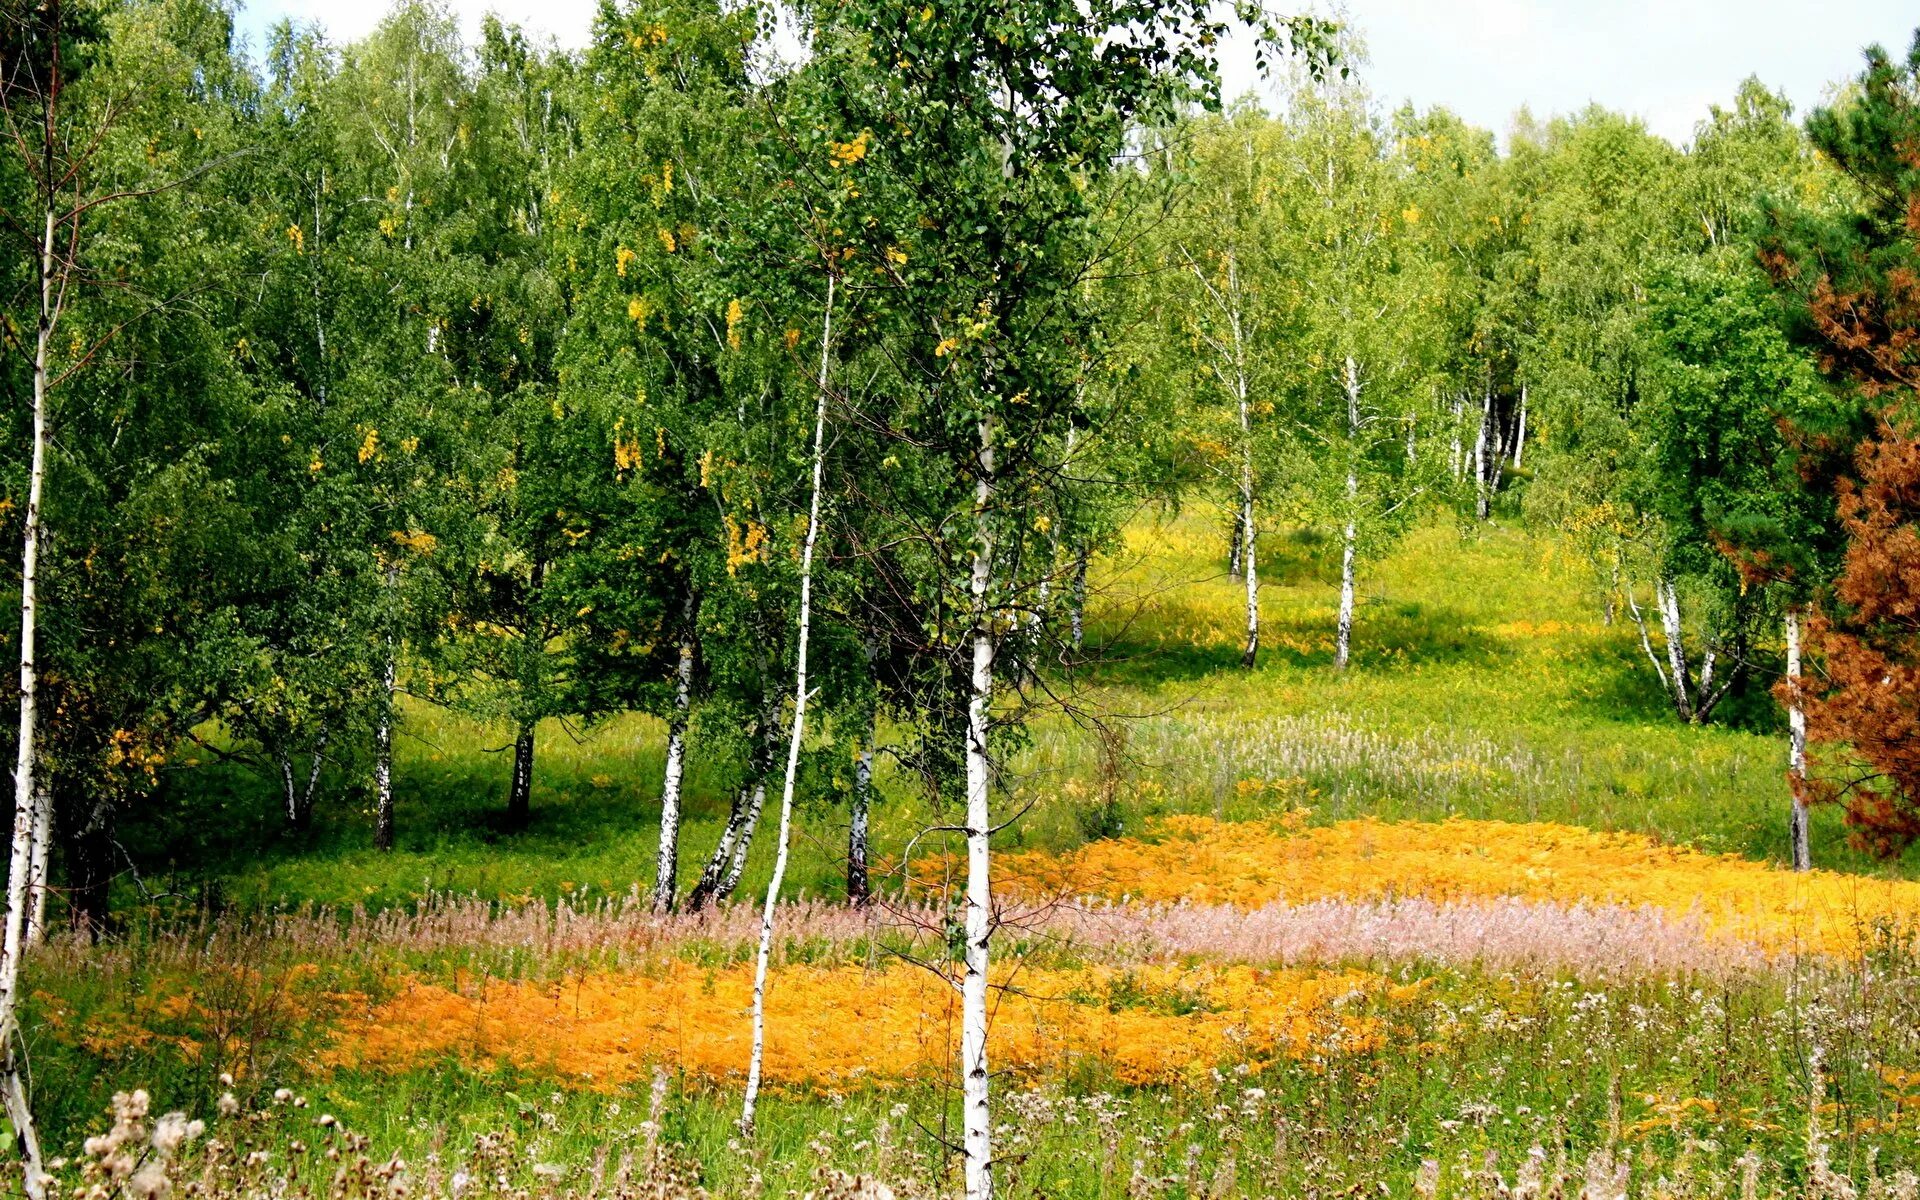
x=1248, y=865
x=841, y=1025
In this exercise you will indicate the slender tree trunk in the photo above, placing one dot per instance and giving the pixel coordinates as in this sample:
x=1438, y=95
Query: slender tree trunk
x=1520, y=436
x=520, y=790
x=1248, y=527
x=714, y=872
x=13, y=1091
x=1481, y=501
x=976, y=1123
x=723, y=867
x=799, y=732
x=383, y=755
x=1343, y=638
x=1343, y=635
x=1250, y=575
x=299, y=803
x=1077, y=608
x=1669, y=598
x=1236, y=539
x=37, y=865
x=737, y=864
x=667, y=867
x=1800, y=825
x=859, y=887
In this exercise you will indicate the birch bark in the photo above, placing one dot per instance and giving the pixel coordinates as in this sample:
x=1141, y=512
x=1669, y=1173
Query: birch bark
x=12, y=1080
x=977, y=1132
x=1800, y=826
x=799, y=731
x=667, y=864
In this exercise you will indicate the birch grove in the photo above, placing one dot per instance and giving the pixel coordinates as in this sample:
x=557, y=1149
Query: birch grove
x=421, y=382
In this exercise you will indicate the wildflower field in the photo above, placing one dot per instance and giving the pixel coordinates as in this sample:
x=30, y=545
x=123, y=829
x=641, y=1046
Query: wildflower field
x=1475, y=919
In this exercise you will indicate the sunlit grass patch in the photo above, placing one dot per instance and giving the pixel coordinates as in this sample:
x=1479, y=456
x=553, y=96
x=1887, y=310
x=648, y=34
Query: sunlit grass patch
x=849, y=1024
x=1250, y=864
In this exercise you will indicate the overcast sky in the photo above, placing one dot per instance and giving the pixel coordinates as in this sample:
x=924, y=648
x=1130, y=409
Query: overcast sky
x=1663, y=60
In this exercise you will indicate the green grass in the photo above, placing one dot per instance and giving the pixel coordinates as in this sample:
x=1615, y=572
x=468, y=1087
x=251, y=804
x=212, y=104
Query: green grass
x=1484, y=684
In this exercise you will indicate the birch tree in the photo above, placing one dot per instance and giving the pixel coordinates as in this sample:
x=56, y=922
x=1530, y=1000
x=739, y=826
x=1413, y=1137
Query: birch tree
x=1364, y=299
x=102, y=182
x=973, y=158
x=1224, y=271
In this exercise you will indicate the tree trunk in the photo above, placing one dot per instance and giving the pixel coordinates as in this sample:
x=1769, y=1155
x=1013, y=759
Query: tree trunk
x=12, y=1082
x=1520, y=436
x=1343, y=637
x=798, y=733
x=298, y=803
x=1077, y=609
x=667, y=867
x=723, y=867
x=36, y=931
x=383, y=756
x=1248, y=529
x=1250, y=573
x=976, y=1123
x=1799, y=826
x=707, y=886
x=737, y=865
x=520, y=790
x=859, y=887
x=1481, y=501
x=1669, y=599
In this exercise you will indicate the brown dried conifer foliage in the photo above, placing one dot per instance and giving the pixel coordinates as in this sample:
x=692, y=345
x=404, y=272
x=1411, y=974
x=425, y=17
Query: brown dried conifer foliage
x=1865, y=708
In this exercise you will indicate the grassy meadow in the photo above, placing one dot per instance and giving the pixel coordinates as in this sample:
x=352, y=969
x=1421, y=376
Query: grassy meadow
x=1224, y=969
x=1484, y=685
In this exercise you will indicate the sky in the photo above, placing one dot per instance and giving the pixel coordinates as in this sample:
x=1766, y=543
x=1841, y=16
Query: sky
x=1665, y=61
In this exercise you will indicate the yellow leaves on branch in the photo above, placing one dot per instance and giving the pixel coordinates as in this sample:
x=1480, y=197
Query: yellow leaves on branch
x=747, y=543
x=846, y=154
x=840, y=1025
x=638, y=310
x=370, y=444
x=1249, y=865
x=417, y=540
x=736, y=312
x=621, y=257
x=626, y=447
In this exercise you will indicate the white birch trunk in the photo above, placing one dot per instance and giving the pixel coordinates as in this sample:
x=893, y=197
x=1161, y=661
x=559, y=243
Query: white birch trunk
x=1800, y=831
x=13, y=1092
x=37, y=865
x=1520, y=437
x=383, y=754
x=976, y=1122
x=667, y=865
x=1343, y=638
x=1481, y=501
x=798, y=733
x=1669, y=598
x=1248, y=528
x=859, y=888
x=743, y=845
